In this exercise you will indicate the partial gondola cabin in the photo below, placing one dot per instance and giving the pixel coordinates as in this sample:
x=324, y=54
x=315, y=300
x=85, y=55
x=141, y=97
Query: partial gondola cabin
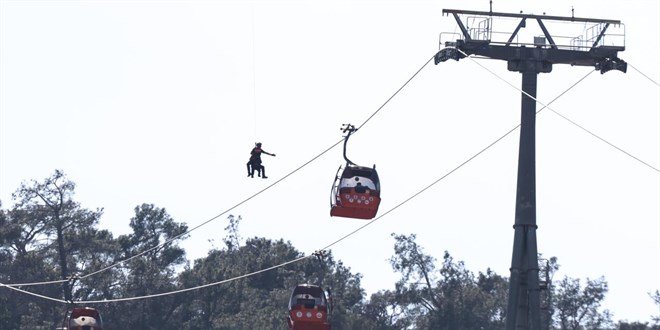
x=356, y=193
x=85, y=318
x=308, y=308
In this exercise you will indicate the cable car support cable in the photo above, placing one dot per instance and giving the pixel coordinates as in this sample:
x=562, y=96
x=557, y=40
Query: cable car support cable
x=453, y=170
x=337, y=241
x=645, y=76
x=397, y=92
x=560, y=115
x=237, y=204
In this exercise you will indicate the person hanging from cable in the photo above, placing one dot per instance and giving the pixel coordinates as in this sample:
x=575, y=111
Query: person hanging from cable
x=255, y=162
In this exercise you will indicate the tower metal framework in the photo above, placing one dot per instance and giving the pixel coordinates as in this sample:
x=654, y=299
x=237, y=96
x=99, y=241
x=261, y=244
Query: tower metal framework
x=596, y=46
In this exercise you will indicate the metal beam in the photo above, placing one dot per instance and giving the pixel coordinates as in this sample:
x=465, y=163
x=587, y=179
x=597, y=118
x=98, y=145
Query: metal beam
x=547, y=55
x=463, y=29
x=547, y=17
x=546, y=33
x=602, y=33
x=515, y=32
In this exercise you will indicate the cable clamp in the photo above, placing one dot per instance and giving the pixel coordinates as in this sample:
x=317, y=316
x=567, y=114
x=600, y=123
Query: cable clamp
x=320, y=254
x=73, y=278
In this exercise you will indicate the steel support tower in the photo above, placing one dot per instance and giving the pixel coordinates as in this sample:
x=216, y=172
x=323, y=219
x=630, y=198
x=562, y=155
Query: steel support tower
x=530, y=59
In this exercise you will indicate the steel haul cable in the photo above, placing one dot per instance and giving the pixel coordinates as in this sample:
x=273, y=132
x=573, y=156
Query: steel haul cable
x=237, y=204
x=560, y=115
x=609, y=143
x=454, y=169
x=324, y=248
x=645, y=76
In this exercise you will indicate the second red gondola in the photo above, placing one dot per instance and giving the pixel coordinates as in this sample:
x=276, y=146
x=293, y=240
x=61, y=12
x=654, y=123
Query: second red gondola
x=356, y=192
x=309, y=309
x=85, y=318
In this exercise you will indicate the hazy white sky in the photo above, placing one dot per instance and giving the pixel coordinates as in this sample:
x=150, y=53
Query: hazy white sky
x=161, y=101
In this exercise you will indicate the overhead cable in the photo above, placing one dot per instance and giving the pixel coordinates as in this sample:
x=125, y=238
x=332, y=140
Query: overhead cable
x=397, y=91
x=11, y=287
x=451, y=171
x=190, y=230
x=36, y=283
x=562, y=116
x=609, y=143
x=324, y=248
x=239, y=203
x=645, y=76
x=157, y=294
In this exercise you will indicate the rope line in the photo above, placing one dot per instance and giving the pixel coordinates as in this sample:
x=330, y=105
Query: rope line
x=158, y=294
x=562, y=116
x=35, y=283
x=397, y=92
x=645, y=76
x=219, y=215
x=190, y=230
x=196, y=287
x=254, y=76
x=453, y=170
x=324, y=248
x=11, y=287
x=609, y=143
x=239, y=203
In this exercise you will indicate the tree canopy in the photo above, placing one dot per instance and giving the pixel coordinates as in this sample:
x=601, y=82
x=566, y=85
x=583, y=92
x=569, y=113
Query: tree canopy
x=47, y=236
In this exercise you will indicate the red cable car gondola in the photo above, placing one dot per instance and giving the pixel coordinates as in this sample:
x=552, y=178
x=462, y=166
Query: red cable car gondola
x=356, y=192
x=309, y=309
x=85, y=318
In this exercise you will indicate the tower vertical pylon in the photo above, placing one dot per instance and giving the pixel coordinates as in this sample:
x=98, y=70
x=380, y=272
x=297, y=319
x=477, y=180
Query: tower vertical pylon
x=594, y=48
x=524, y=288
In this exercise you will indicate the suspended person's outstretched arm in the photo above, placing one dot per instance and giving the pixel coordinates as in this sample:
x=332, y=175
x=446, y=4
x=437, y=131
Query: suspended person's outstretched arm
x=267, y=153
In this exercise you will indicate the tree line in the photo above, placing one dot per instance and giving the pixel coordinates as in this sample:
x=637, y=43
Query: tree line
x=46, y=235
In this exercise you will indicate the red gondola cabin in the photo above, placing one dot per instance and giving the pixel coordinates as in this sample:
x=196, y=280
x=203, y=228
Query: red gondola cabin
x=85, y=318
x=356, y=193
x=308, y=308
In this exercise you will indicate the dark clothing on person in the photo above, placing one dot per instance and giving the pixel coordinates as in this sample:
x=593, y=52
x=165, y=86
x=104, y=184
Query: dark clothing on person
x=255, y=154
x=253, y=165
x=255, y=162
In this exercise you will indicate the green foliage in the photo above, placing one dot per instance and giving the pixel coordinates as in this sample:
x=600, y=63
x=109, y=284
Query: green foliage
x=42, y=241
x=47, y=235
x=259, y=301
x=547, y=270
x=450, y=297
x=656, y=299
x=384, y=311
x=578, y=307
x=623, y=325
x=151, y=273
